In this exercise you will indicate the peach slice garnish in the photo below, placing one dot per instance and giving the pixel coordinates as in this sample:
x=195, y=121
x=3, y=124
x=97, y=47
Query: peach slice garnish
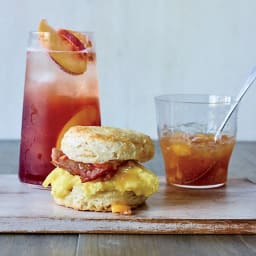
x=88, y=116
x=75, y=43
x=87, y=43
x=64, y=48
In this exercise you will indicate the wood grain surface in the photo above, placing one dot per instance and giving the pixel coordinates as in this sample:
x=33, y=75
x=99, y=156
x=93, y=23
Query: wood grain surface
x=243, y=165
x=226, y=210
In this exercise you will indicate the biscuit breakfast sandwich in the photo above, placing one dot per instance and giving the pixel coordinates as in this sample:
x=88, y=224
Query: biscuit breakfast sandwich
x=98, y=169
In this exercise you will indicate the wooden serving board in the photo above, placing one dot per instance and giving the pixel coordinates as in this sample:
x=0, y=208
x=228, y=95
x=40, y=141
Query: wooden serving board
x=227, y=210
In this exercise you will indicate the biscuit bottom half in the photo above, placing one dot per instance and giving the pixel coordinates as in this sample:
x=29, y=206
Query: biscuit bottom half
x=129, y=188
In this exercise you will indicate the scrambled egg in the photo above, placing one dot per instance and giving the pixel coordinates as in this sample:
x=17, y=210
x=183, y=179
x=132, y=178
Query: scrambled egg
x=130, y=177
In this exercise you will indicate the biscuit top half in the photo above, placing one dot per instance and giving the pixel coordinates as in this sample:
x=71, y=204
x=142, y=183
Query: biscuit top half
x=99, y=144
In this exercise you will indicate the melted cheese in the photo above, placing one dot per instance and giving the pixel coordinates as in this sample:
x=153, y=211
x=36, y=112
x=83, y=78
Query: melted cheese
x=121, y=208
x=131, y=177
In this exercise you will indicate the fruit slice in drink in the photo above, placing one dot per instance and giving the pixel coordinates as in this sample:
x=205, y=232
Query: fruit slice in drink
x=60, y=43
x=87, y=116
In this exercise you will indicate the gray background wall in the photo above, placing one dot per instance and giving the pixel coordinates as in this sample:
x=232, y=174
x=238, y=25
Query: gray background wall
x=144, y=48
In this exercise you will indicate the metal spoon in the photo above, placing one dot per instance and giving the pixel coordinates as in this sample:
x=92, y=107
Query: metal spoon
x=249, y=81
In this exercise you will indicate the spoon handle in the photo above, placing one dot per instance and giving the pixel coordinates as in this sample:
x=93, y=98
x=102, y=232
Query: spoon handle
x=249, y=81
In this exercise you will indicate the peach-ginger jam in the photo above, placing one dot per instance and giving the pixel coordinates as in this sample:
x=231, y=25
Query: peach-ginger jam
x=196, y=160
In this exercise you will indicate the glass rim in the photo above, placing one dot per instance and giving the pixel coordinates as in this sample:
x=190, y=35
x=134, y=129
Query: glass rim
x=31, y=32
x=191, y=98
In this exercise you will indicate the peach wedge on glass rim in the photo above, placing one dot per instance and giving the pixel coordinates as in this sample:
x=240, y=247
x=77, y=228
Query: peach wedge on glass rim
x=65, y=47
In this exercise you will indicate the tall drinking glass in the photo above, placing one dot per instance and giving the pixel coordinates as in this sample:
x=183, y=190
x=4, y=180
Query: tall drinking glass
x=55, y=98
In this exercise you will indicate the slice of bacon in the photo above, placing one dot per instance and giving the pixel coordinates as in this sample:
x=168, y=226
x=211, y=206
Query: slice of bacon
x=86, y=171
